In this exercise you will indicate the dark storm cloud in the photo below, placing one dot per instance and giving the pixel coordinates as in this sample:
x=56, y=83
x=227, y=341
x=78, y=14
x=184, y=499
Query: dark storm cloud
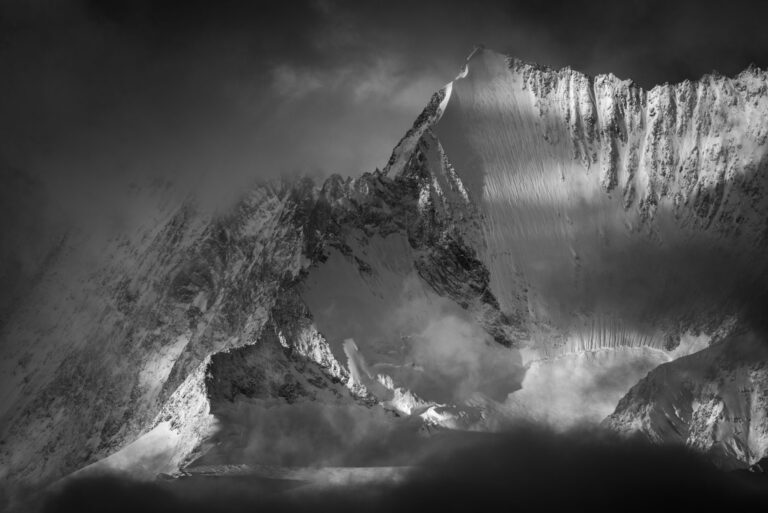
x=98, y=94
x=525, y=469
x=651, y=42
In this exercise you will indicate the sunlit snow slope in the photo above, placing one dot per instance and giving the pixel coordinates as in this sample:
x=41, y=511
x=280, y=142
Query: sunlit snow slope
x=715, y=401
x=612, y=219
x=612, y=216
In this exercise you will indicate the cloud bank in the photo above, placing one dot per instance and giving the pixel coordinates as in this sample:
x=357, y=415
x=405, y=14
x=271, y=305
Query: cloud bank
x=526, y=468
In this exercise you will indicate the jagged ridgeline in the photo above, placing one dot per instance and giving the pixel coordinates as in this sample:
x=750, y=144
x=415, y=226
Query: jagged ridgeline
x=531, y=221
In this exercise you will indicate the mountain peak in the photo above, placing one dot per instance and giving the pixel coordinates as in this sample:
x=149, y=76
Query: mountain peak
x=479, y=48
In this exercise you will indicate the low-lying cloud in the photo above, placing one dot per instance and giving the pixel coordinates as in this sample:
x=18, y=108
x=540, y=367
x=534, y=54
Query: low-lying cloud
x=270, y=432
x=525, y=468
x=449, y=357
x=575, y=388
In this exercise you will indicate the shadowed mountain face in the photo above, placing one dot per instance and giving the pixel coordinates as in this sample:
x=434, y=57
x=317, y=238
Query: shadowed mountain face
x=539, y=241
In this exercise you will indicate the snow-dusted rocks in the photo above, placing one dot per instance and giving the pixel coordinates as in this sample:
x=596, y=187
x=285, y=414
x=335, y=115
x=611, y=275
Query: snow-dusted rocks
x=715, y=401
x=95, y=355
x=602, y=205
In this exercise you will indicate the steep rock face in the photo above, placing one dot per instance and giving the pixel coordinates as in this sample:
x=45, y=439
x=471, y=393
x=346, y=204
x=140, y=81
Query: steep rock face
x=715, y=401
x=91, y=359
x=602, y=205
x=612, y=217
x=128, y=353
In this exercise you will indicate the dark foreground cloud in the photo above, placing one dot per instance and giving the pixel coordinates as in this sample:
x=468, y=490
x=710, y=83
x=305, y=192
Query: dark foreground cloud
x=526, y=469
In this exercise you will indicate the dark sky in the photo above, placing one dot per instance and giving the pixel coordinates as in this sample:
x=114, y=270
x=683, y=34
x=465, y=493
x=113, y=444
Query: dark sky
x=97, y=94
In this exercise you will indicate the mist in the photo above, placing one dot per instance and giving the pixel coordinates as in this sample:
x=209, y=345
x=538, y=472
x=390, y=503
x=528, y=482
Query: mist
x=310, y=434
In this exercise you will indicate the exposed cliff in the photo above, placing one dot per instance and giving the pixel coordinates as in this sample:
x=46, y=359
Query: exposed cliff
x=715, y=401
x=612, y=215
x=130, y=346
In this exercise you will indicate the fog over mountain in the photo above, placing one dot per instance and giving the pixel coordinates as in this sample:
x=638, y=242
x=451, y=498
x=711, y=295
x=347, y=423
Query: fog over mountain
x=220, y=292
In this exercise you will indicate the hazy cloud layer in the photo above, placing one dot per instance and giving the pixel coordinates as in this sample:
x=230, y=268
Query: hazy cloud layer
x=456, y=358
x=580, y=388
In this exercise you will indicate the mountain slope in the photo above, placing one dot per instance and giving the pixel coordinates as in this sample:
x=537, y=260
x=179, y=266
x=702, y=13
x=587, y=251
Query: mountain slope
x=715, y=401
x=607, y=204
